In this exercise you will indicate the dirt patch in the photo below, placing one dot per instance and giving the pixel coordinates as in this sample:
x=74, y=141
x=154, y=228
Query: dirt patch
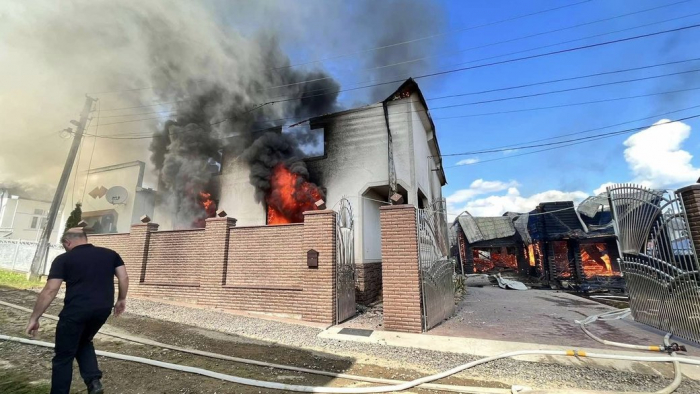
x=26, y=361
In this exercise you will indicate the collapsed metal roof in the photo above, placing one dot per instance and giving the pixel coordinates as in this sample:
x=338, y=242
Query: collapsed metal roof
x=478, y=229
x=549, y=221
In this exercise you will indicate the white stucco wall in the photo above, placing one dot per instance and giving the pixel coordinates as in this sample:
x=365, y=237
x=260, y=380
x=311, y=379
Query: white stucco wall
x=126, y=175
x=237, y=195
x=356, y=159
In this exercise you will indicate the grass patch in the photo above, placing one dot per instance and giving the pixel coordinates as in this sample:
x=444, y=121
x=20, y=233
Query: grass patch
x=17, y=280
x=18, y=383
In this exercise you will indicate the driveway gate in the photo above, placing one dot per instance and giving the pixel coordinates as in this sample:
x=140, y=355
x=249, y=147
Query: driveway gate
x=658, y=259
x=345, y=257
x=436, y=268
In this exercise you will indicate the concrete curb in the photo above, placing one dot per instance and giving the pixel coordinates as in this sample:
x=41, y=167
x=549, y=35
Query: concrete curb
x=487, y=348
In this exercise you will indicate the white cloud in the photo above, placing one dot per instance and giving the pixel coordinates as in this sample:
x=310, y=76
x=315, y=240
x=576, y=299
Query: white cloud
x=603, y=188
x=655, y=157
x=509, y=151
x=496, y=205
x=467, y=162
x=478, y=187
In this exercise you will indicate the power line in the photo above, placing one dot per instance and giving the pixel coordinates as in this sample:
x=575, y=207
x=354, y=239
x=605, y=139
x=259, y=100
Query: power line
x=443, y=117
x=564, y=90
x=445, y=72
x=92, y=153
x=452, y=53
x=485, y=91
x=504, y=148
x=406, y=42
x=492, y=100
x=431, y=36
x=404, y=77
x=450, y=71
x=574, y=141
x=564, y=79
x=568, y=105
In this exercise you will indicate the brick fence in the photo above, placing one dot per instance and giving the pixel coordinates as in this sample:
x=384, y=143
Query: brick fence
x=260, y=269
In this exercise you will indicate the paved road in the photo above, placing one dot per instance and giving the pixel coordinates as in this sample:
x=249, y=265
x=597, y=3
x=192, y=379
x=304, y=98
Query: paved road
x=539, y=316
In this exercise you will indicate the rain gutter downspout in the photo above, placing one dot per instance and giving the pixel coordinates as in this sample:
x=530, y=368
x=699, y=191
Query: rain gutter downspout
x=390, y=145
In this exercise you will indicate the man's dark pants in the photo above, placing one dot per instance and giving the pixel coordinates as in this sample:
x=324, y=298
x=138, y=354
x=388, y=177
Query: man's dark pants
x=74, y=333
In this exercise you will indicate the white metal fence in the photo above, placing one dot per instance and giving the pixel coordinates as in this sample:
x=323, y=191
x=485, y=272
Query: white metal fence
x=17, y=255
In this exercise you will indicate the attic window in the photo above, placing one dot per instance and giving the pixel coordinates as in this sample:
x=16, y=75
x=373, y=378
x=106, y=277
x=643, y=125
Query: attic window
x=214, y=163
x=311, y=140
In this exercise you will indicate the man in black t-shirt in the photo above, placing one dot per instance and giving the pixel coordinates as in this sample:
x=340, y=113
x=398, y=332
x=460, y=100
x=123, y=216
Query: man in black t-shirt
x=89, y=275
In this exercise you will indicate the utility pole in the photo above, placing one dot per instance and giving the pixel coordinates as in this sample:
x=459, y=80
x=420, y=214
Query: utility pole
x=38, y=264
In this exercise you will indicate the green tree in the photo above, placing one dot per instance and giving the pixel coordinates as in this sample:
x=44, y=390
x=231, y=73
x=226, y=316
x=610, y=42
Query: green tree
x=75, y=217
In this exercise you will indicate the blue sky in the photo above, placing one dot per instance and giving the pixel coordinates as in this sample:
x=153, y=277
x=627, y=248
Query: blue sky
x=579, y=168
x=46, y=93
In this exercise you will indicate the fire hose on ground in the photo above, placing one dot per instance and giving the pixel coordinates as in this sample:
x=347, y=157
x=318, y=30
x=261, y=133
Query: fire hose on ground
x=667, y=346
x=423, y=382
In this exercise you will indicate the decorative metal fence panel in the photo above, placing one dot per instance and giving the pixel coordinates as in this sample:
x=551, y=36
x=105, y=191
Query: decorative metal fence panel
x=17, y=255
x=658, y=259
x=345, y=255
x=436, y=268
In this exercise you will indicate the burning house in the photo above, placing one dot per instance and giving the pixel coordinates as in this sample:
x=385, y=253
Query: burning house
x=271, y=175
x=558, y=244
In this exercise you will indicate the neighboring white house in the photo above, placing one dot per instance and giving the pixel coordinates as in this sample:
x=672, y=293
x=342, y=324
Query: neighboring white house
x=22, y=217
x=114, y=198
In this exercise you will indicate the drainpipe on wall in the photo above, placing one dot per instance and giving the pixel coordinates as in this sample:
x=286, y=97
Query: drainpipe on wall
x=392, y=169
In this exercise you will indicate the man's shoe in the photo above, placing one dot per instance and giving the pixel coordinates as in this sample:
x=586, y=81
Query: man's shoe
x=95, y=387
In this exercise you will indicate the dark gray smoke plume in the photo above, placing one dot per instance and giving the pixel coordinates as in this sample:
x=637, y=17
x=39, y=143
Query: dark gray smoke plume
x=396, y=21
x=267, y=152
x=270, y=94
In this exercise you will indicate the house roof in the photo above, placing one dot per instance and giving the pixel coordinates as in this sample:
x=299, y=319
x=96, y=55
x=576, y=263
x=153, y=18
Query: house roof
x=409, y=86
x=478, y=229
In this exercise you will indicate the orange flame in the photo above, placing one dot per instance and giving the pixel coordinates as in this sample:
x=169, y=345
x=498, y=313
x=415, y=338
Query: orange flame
x=209, y=208
x=289, y=197
x=595, y=260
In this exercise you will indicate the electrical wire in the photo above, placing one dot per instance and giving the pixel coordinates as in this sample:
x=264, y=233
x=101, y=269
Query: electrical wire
x=147, y=136
x=557, y=147
x=517, y=146
x=497, y=99
x=430, y=36
x=452, y=53
x=566, y=90
x=567, y=79
x=403, y=77
x=92, y=153
x=507, y=88
x=611, y=134
x=445, y=72
x=411, y=41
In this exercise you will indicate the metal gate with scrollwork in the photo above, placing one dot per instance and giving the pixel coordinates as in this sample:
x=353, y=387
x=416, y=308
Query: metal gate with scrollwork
x=345, y=262
x=658, y=259
x=436, y=268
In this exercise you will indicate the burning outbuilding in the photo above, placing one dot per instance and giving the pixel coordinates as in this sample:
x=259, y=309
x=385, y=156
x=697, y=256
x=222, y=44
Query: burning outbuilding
x=556, y=243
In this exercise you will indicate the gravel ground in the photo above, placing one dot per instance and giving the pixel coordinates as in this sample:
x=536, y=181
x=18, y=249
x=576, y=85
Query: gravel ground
x=539, y=375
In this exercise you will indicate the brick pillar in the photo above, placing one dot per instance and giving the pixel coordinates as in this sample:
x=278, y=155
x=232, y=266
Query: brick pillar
x=213, y=265
x=400, y=269
x=137, y=255
x=691, y=200
x=319, y=283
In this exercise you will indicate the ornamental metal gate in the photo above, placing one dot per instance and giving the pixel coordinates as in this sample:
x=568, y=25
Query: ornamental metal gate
x=658, y=259
x=436, y=268
x=345, y=257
